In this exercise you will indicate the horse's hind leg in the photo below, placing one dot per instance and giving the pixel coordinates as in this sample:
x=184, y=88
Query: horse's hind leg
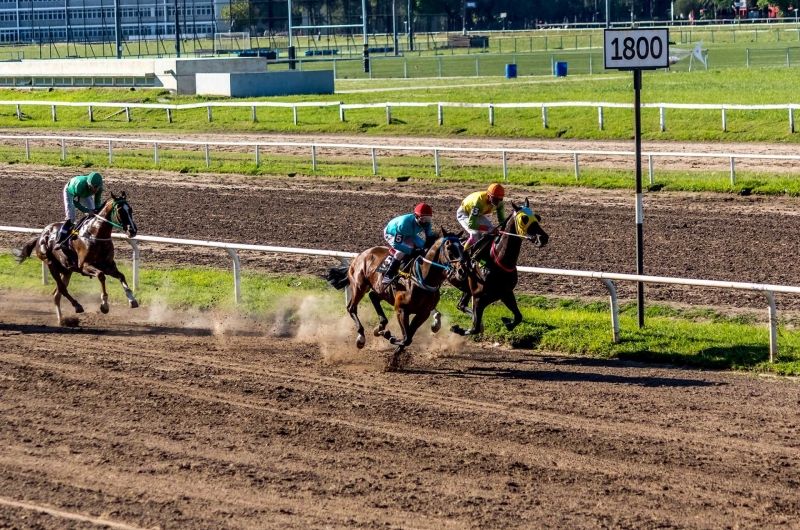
x=114, y=272
x=382, y=320
x=62, y=281
x=510, y=302
x=462, y=303
x=356, y=294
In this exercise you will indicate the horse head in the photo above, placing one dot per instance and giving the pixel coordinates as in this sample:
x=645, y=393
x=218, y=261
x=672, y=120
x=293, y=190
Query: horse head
x=122, y=214
x=527, y=224
x=451, y=253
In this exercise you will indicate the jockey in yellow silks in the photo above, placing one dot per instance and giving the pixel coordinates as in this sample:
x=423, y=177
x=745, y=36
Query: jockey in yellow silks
x=473, y=213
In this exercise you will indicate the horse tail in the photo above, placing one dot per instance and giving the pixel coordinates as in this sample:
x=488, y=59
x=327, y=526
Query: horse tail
x=337, y=277
x=23, y=253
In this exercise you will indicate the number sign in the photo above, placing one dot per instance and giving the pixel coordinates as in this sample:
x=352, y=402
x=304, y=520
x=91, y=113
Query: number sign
x=630, y=49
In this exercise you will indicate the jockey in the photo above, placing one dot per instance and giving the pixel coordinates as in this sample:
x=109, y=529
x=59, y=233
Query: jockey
x=82, y=192
x=402, y=235
x=474, y=210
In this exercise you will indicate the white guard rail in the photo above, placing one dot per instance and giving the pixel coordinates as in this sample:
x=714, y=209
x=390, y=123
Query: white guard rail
x=373, y=148
x=606, y=277
x=254, y=105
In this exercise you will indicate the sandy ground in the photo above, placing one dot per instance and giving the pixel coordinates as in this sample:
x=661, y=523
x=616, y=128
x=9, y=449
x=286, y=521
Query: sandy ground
x=150, y=419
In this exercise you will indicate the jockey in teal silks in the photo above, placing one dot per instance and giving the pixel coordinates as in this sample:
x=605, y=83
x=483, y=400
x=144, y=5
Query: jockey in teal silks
x=402, y=235
x=84, y=193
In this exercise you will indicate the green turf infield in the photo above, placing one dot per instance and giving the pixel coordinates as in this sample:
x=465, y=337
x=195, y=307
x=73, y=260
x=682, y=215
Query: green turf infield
x=702, y=338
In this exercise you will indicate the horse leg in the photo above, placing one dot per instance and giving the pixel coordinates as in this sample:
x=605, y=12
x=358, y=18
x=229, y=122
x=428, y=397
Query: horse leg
x=477, y=318
x=352, y=309
x=462, y=303
x=382, y=320
x=402, y=319
x=114, y=272
x=510, y=302
x=61, y=290
x=436, y=325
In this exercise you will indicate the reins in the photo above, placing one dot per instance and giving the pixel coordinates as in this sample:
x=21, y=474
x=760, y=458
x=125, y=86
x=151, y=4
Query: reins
x=109, y=221
x=418, y=277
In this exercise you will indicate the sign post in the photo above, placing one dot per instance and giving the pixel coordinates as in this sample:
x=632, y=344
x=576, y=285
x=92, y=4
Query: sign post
x=637, y=50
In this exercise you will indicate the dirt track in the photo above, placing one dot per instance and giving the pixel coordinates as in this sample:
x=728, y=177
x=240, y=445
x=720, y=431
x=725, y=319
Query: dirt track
x=707, y=236
x=187, y=422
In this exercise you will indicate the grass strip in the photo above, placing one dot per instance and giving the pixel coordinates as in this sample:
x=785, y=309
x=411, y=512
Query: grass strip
x=696, y=338
x=193, y=162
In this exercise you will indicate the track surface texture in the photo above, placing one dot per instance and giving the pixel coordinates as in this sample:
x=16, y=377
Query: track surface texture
x=149, y=422
x=708, y=236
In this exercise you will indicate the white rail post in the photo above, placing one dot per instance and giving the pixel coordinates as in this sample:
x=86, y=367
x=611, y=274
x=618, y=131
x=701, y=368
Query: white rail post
x=405, y=68
x=733, y=172
x=253, y=113
x=505, y=166
x=55, y=118
x=748, y=57
x=63, y=149
x=612, y=295
x=388, y=115
x=155, y=153
x=791, y=120
x=440, y=67
x=91, y=114
x=45, y=272
x=313, y=157
x=724, y=120
x=374, y=163
x=436, y=162
x=788, y=63
x=591, y=70
x=650, y=165
x=237, y=276
x=169, y=116
x=600, y=122
x=135, y=248
x=208, y=157
x=773, y=327
x=441, y=115
x=294, y=114
x=27, y=149
x=341, y=112
x=477, y=68
x=258, y=156
x=491, y=115
x=208, y=114
x=19, y=113
x=577, y=167
x=128, y=114
x=544, y=116
x=110, y=151
x=662, y=120
x=334, y=69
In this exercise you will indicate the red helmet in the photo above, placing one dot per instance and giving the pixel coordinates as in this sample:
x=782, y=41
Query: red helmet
x=423, y=210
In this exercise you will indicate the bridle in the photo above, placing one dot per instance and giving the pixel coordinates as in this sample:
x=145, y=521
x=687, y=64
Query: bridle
x=447, y=266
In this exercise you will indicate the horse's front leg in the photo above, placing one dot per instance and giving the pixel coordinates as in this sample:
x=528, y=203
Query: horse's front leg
x=61, y=290
x=478, y=307
x=114, y=272
x=91, y=270
x=436, y=325
x=462, y=303
x=510, y=302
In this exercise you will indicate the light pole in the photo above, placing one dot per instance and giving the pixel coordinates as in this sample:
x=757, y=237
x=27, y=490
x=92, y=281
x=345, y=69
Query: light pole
x=394, y=26
x=608, y=14
x=410, y=17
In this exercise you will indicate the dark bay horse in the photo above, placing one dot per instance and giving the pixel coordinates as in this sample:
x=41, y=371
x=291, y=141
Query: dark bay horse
x=91, y=252
x=499, y=276
x=417, y=293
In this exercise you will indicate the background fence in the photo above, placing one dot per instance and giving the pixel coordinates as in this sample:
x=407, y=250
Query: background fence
x=606, y=277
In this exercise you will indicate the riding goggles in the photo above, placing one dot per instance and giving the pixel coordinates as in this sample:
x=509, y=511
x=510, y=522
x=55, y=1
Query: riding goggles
x=424, y=220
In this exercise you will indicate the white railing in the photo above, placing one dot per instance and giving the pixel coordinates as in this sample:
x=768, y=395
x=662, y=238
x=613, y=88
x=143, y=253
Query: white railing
x=374, y=148
x=253, y=105
x=606, y=277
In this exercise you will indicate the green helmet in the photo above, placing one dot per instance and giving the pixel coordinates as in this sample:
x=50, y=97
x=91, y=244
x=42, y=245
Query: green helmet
x=95, y=180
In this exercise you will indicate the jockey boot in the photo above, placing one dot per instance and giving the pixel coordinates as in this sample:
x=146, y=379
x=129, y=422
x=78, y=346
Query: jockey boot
x=63, y=235
x=391, y=274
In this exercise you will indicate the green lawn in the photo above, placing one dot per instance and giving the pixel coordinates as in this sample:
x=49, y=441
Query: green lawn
x=700, y=338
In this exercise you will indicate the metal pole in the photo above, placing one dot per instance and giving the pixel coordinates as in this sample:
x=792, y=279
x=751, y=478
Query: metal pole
x=237, y=276
x=258, y=156
x=253, y=111
x=208, y=157
x=135, y=248
x=177, y=31
x=110, y=152
x=773, y=327
x=313, y=158
x=724, y=121
x=208, y=113
x=650, y=166
x=505, y=166
x=364, y=21
x=91, y=114
x=374, y=163
x=118, y=29
x=637, y=119
x=600, y=117
x=55, y=117
x=63, y=149
x=608, y=14
x=294, y=114
x=544, y=117
x=612, y=294
x=436, y=161
x=388, y=115
x=27, y=149
x=410, y=17
x=155, y=153
x=491, y=115
x=791, y=120
x=662, y=119
x=733, y=172
x=577, y=167
x=128, y=114
x=441, y=115
x=394, y=27
x=290, y=26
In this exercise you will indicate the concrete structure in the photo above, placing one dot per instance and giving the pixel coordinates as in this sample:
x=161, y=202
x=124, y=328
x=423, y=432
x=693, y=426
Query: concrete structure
x=174, y=74
x=265, y=83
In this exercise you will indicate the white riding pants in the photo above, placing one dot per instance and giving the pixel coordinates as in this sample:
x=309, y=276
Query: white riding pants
x=391, y=240
x=69, y=206
x=474, y=235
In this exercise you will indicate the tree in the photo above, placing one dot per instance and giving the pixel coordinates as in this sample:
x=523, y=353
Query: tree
x=239, y=15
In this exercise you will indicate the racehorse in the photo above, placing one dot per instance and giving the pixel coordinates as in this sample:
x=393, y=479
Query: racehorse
x=499, y=276
x=91, y=253
x=416, y=293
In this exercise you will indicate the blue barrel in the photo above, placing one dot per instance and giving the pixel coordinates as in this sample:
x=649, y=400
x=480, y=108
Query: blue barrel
x=561, y=69
x=511, y=71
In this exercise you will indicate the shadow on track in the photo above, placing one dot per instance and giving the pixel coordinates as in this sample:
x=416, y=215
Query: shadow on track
x=142, y=330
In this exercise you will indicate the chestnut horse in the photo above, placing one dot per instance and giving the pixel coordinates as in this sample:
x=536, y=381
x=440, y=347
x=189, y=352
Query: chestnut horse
x=417, y=292
x=91, y=252
x=498, y=277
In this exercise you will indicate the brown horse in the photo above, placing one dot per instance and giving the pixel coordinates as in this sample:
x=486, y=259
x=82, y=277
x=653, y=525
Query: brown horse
x=91, y=252
x=416, y=293
x=498, y=277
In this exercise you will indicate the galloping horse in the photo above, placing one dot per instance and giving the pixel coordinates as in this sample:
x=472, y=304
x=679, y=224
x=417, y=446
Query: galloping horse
x=499, y=276
x=92, y=252
x=417, y=293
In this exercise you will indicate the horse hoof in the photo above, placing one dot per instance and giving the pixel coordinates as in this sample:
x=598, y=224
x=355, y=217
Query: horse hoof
x=104, y=308
x=133, y=303
x=437, y=324
x=360, y=341
x=457, y=330
x=378, y=331
x=79, y=308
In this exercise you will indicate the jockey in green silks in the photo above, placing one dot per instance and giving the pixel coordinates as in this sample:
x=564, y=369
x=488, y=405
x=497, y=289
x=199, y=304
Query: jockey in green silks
x=84, y=193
